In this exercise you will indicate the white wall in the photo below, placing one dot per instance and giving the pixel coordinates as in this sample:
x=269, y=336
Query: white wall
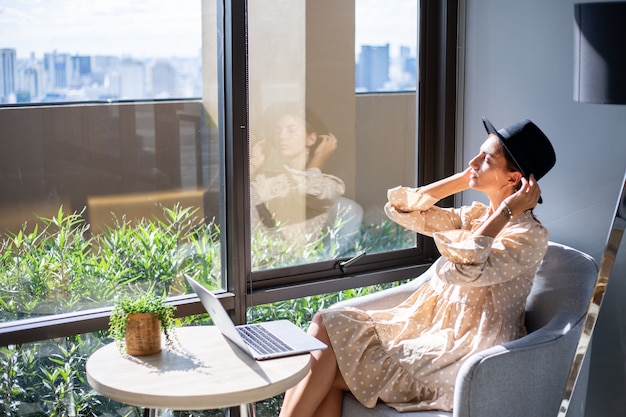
x=518, y=62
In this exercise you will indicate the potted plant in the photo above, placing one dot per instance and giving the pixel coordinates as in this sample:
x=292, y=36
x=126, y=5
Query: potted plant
x=137, y=321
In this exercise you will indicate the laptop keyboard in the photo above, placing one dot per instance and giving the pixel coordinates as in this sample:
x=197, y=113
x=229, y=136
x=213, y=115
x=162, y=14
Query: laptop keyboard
x=261, y=340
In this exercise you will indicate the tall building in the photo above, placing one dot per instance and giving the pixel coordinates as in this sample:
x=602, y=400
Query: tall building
x=7, y=74
x=373, y=67
x=163, y=80
x=58, y=69
x=408, y=64
x=133, y=79
x=31, y=82
x=81, y=70
x=102, y=65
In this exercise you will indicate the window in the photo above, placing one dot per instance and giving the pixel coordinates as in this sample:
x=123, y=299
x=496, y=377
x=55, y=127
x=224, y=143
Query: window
x=321, y=156
x=184, y=166
x=69, y=50
x=100, y=197
x=99, y=165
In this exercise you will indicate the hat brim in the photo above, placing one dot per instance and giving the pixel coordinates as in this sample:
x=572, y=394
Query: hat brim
x=492, y=130
x=489, y=127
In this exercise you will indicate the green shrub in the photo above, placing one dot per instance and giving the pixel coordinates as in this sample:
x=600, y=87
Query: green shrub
x=60, y=267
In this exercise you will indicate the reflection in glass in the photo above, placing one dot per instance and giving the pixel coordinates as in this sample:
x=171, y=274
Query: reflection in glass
x=291, y=195
x=321, y=156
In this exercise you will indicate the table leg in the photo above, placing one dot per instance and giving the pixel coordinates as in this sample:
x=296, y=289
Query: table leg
x=247, y=410
x=156, y=412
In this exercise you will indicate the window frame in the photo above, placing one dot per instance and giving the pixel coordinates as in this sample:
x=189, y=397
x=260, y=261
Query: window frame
x=437, y=115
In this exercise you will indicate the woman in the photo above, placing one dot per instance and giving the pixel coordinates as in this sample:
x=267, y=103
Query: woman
x=409, y=356
x=291, y=193
x=300, y=145
x=295, y=195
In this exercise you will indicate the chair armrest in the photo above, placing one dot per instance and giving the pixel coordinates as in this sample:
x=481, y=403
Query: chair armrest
x=498, y=382
x=388, y=298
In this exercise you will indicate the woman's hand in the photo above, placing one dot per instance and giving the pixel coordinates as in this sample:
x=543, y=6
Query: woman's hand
x=326, y=146
x=526, y=197
x=523, y=199
x=464, y=177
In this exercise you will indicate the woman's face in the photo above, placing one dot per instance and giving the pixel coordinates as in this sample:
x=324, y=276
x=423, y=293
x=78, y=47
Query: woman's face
x=291, y=137
x=489, y=168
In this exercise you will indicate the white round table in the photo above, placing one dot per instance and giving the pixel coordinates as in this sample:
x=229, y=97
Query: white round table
x=203, y=371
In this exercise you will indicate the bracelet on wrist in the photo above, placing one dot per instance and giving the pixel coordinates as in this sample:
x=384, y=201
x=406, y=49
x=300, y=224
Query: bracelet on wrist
x=506, y=210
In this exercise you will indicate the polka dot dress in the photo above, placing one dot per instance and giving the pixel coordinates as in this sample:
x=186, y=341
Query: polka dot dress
x=408, y=356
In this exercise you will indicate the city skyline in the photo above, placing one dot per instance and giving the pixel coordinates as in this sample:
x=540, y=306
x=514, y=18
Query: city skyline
x=80, y=50
x=159, y=29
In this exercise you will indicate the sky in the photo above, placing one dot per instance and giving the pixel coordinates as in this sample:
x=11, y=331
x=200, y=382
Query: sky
x=157, y=28
x=141, y=28
x=382, y=21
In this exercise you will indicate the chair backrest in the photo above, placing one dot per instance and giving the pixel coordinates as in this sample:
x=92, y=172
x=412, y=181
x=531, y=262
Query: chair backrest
x=562, y=288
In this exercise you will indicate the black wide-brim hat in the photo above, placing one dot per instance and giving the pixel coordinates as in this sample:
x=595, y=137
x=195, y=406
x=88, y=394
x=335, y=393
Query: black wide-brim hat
x=527, y=145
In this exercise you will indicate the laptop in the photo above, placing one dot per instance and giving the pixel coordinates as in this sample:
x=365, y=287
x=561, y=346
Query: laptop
x=273, y=339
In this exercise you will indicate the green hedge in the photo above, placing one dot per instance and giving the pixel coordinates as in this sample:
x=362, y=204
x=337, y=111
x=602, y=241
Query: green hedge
x=60, y=267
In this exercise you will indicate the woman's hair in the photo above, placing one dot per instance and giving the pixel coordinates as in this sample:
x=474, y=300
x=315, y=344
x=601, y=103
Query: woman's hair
x=276, y=110
x=312, y=122
x=511, y=166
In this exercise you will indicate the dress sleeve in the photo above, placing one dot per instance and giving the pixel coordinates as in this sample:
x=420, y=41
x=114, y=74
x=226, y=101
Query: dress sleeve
x=320, y=185
x=312, y=183
x=417, y=211
x=482, y=260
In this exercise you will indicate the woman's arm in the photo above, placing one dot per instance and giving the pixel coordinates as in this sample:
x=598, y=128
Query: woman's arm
x=448, y=186
x=406, y=200
x=479, y=260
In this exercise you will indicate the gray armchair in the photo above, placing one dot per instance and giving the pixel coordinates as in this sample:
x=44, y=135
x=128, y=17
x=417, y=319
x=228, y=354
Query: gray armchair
x=525, y=377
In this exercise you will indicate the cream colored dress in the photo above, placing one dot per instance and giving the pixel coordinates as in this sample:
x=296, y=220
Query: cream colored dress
x=408, y=356
x=296, y=203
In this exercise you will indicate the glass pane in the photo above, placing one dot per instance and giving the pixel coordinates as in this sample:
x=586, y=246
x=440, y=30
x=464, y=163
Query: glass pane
x=73, y=50
x=322, y=156
x=386, y=40
x=100, y=199
x=48, y=378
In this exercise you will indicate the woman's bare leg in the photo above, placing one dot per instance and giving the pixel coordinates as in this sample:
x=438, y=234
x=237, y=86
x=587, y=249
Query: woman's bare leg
x=319, y=390
x=332, y=404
